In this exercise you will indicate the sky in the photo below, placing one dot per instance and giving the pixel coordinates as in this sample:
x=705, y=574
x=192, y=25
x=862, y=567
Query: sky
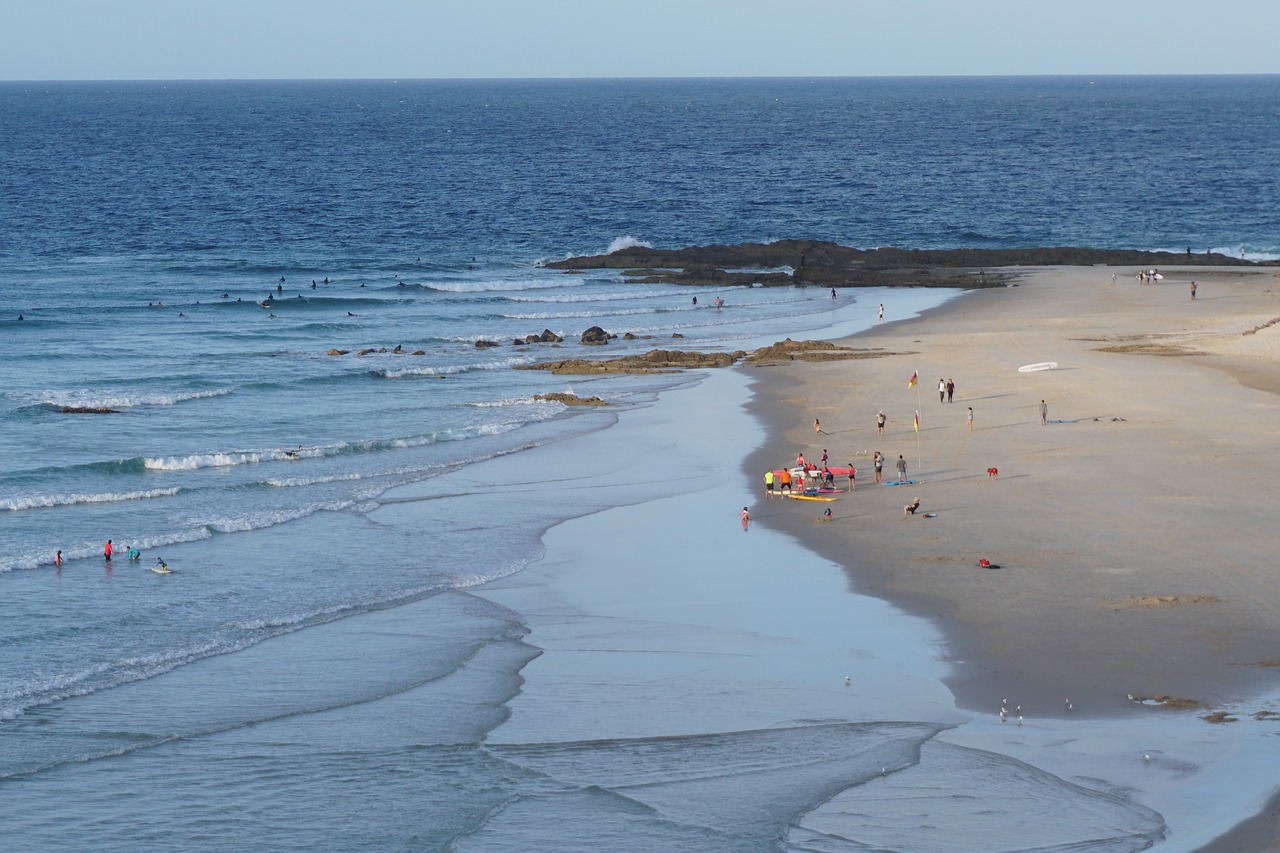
x=405, y=39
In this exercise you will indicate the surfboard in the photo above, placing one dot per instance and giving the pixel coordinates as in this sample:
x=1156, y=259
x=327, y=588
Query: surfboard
x=810, y=497
x=161, y=571
x=899, y=483
x=1039, y=365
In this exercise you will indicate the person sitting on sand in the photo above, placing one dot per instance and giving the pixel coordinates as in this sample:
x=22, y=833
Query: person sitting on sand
x=828, y=479
x=826, y=514
x=910, y=509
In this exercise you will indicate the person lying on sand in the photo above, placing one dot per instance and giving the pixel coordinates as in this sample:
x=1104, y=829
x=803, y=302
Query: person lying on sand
x=910, y=509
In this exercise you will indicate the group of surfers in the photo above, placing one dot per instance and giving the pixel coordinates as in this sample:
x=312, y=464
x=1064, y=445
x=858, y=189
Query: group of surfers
x=782, y=481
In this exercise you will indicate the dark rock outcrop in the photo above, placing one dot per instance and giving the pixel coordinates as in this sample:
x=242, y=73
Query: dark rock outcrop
x=831, y=265
x=595, y=336
x=570, y=399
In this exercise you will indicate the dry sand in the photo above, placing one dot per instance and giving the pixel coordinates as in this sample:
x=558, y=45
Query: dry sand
x=1137, y=543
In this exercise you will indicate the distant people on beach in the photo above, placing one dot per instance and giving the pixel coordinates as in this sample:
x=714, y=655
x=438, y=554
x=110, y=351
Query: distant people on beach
x=951, y=389
x=746, y=518
x=942, y=390
x=57, y=560
x=877, y=460
x=880, y=317
x=969, y=418
x=880, y=419
x=902, y=470
x=768, y=483
x=817, y=425
x=1193, y=291
x=852, y=474
x=1044, y=413
x=106, y=551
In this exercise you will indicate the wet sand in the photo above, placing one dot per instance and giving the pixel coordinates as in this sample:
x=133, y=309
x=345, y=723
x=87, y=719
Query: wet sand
x=1135, y=538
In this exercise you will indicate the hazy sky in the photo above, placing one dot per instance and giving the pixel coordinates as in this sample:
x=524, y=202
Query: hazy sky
x=255, y=39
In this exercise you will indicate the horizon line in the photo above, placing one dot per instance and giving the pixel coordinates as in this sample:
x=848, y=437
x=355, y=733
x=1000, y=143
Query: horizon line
x=398, y=79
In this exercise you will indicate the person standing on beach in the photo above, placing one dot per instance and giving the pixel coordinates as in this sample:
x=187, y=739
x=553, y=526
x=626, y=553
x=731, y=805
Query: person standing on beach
x=852, y=473
x=970, y=418
x=951, y=389
x=902, y=470
x=942, y=390
x=878, y=461
x=881, y=317
x=785, y=486
x=106, y=551
x=746, y=518
x=1193, y=291
x=1113, y=278
x=880, y=419
x=768, y=483
x=817, y=425
x=1044, y=413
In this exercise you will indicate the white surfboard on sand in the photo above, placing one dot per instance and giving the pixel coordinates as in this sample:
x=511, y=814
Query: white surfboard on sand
x=1039, y=365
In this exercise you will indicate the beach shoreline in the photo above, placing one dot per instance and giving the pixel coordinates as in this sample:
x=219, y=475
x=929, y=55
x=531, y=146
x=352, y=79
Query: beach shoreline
x=1130, y=534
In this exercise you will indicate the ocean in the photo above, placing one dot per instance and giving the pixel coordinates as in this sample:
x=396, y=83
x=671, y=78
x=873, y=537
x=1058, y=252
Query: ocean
x=323, y=668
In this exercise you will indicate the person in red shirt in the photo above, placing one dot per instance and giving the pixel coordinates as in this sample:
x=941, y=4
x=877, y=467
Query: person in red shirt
x=106, y=550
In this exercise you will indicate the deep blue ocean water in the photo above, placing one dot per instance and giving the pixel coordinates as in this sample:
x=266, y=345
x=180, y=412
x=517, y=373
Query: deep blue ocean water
x=160, y=241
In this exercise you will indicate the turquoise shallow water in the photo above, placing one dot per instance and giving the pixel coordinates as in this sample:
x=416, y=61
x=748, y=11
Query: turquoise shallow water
x=144, y=233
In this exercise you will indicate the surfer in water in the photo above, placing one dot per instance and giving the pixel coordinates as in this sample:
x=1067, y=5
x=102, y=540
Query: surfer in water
x=161, y=565
x=134, y=553
x=57, y=560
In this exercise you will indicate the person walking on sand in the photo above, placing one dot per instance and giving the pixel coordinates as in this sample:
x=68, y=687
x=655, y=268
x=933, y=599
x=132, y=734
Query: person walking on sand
x=1044, y=413
x=1193, y=291
x=902, y=470
x=969, y=418
x=880, y=419
x=942, y=390
x=951, y=389
x=877, y=460
x=746, y=518
x=785, y=486
x=768, y=483
x=817, y=425
x=881, y=315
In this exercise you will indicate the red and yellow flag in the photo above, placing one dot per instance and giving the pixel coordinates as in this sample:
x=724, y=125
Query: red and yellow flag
x=917, y=421
x=912, y=380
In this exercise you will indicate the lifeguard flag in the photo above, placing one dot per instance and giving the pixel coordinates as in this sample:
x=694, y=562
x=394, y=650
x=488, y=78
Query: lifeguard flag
x=912, y=380
x=917, y=421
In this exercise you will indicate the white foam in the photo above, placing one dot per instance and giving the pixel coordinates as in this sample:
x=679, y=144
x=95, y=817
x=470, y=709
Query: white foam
x=498, y=285
x=627, y=242
x=42, y=501
x=93, y=398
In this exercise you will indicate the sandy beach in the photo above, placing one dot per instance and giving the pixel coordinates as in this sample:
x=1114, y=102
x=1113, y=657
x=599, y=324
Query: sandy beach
x=1133, y=531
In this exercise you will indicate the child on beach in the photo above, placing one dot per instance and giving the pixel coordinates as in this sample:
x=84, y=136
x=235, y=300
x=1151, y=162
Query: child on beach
x=826, y=515
x=852, y=473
